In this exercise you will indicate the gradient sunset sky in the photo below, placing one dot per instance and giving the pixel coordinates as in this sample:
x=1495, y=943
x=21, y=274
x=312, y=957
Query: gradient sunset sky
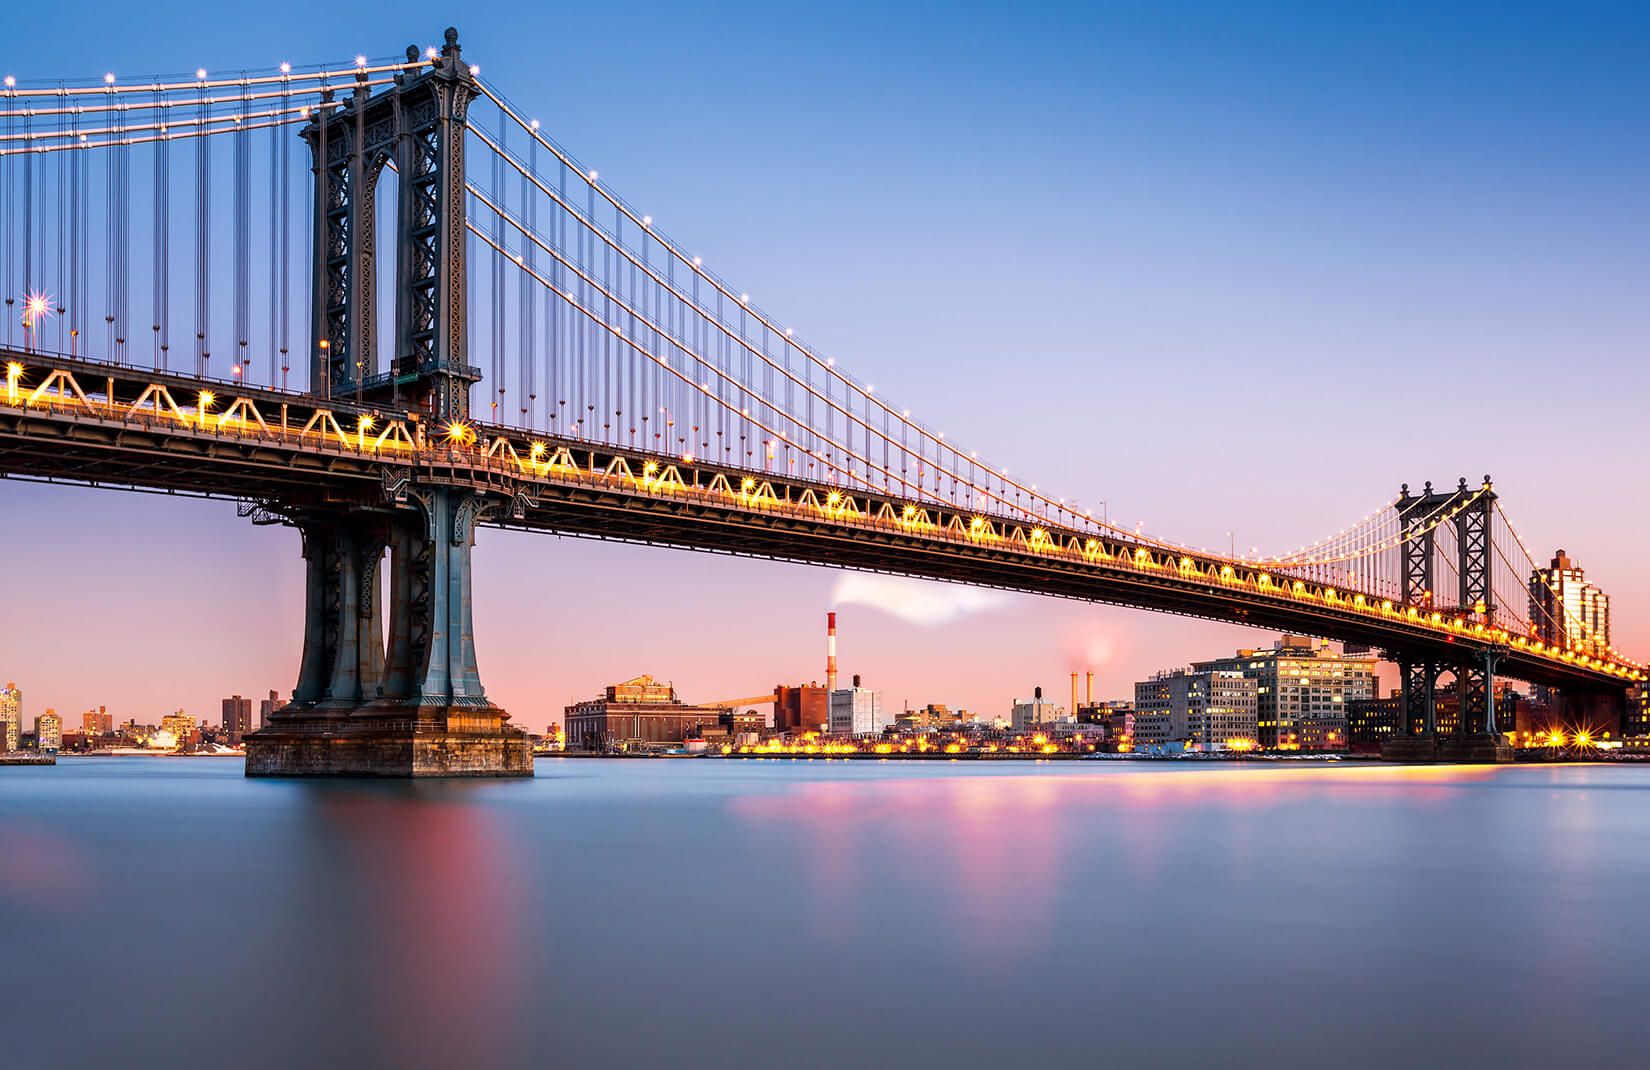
x=1226, y=267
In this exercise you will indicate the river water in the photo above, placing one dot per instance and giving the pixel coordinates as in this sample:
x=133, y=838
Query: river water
x=170, y=913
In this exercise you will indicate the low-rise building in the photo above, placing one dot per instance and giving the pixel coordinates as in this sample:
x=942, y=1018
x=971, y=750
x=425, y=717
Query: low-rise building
x=98, y=722
x=638, y=711
x=930, y=718
x=1370, y=722
x=801, y=709
x=856, y=711
x=1032, y=712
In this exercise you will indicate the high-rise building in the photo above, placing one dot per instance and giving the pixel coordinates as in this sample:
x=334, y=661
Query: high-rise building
x=856, y=711
x=268, y=706
x=97, y=722
x=1567, y=610
x=48, y=732
x=11, y=715
x=1207, y=707
x=237, y=719
x=1302, y=691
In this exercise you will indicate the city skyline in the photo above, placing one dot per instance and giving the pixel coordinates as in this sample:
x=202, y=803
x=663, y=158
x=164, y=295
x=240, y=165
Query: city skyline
x=1415, y=252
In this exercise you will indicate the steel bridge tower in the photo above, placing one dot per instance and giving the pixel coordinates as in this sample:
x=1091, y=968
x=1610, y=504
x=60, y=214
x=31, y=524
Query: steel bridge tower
x=414, y=705
x=1474, y=737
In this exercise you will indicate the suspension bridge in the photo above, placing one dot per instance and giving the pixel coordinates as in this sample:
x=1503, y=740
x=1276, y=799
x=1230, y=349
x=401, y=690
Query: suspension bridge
x=195, y=303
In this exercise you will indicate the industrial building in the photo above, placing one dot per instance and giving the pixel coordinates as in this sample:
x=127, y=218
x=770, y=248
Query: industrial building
x=637, y=711
x=857, y=711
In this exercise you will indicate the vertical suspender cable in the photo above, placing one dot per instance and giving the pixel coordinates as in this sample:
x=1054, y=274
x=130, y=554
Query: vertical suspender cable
x=203, y=245
x=284, y=228
x=8, y=201
x=243, y=238
x=162, y=243
x=75, y=297
x=529, y=298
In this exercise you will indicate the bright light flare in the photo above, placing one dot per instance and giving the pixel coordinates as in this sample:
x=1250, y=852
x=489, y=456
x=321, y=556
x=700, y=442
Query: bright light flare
x=36, y=307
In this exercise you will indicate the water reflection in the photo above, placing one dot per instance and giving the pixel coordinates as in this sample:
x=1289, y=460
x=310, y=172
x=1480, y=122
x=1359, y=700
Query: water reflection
x=620, y=914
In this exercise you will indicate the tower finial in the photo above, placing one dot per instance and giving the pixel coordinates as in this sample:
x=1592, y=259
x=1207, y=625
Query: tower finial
x=451, y=39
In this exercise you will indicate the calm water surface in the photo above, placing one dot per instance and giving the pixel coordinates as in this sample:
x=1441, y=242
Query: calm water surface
x=168, y=912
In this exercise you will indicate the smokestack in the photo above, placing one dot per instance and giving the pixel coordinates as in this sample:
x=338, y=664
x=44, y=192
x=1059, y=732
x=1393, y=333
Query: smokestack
x=1038, y=693
x=1088, y=689
x=830, y=651
x=1073, y=709
x=856, y=679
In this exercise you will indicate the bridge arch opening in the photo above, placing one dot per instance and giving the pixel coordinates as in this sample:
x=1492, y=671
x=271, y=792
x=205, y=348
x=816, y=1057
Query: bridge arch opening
x=386, y=208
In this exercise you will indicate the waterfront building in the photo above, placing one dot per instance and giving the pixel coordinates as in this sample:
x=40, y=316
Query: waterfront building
x=177, y=729
x=1371, y=722
x=802, y=708
x=237, y=719
x=1302, y=691
x=1638, y=712
x=98, y=722
x=743, y=726
x=11, y=716
x=635, y=712
x=1032, y=712
x=48, y=732
x=268, y=706
x=1120, y=726
x=1101, y=712
x=930, y=718
x=1566, y=609
x=856, y=711
x=1211, y=708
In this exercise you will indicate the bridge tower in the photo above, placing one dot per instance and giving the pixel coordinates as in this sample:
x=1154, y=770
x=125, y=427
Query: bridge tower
x=1475, y=738
x=416, y=126
x=412, y=705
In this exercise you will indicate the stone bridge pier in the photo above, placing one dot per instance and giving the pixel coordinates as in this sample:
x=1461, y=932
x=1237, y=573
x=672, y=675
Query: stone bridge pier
x=406, y=704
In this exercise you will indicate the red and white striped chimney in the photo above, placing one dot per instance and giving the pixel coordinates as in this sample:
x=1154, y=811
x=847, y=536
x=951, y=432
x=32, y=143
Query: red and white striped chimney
x=830, y=651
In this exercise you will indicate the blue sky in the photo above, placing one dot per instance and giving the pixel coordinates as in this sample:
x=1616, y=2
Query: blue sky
x=1225, y=267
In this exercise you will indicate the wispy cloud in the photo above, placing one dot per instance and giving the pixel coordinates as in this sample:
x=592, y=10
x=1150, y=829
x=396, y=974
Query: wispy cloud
x=917, y=601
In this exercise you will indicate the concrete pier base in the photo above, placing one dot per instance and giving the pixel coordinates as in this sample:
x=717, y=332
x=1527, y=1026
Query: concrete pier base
x=1418, y=748
x=1477, y=749
x=1480, y=748
x=468, y=743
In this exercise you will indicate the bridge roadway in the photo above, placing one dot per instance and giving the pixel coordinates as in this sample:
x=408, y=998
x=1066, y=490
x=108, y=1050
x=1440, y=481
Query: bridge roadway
x=94, y=423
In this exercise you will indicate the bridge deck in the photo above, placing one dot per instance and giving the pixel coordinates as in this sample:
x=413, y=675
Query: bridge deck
x=100, y=424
